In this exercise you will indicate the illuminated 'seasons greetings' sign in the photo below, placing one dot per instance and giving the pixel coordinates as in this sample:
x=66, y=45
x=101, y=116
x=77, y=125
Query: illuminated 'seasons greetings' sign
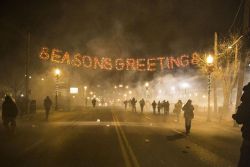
x=119, y=64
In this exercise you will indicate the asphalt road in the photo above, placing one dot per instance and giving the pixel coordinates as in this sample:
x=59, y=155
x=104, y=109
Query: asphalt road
x=112, y=138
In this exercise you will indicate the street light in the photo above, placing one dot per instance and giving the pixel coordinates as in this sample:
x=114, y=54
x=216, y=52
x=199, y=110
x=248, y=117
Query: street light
x=125, y=95
x=57, y=74
x=210, y=68
x=210, y=60
x=146, y=86
x=85, y=93
x=185, y=86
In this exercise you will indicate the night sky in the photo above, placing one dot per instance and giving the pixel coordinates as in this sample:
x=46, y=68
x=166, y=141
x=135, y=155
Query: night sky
x=112, y=27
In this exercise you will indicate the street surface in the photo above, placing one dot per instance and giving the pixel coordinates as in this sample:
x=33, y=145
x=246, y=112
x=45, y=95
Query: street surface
x=110, y=137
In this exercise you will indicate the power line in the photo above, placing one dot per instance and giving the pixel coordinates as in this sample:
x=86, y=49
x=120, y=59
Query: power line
x=236, y=15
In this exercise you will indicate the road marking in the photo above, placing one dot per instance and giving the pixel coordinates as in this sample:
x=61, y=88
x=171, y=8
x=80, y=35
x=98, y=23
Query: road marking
x=124, y=153
x=32, y=146
x=147, y=117
x=127, y=145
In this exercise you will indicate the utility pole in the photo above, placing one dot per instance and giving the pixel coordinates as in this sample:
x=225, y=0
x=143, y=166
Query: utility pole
x=27, y=61
x=243, y=57
x=215, y=73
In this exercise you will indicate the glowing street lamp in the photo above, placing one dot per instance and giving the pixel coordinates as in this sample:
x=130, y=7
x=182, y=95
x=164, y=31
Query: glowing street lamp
x=210, y=69
x=147, y=91
x=210, y=60
x=73, y=90
x=185, y=86
x=57, y=73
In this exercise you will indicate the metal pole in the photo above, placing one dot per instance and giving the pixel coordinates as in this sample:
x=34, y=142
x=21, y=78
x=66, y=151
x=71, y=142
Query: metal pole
x=27, y=74
x=208, y=102
x=56, y=98
x=85, y=97
x=214, y=78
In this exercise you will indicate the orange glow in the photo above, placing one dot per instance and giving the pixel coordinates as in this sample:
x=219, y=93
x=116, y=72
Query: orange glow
x=151, y=64
x=44, y=55
x=119, y=64
x=141, y=64
x=55, y=56
x=161, y=62
x=130, y=64
x=87, y=61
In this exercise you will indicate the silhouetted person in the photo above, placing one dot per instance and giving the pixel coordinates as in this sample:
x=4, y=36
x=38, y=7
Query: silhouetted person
x=188, y=109
x=177, y=109
x=47, y=103
x=165, y=105
x=159, y=107
x=154, y=106
x=142, y=104
x=242, y=116
x=133, y=104
x=125, y=104
x=94, y=102
x=9, y=114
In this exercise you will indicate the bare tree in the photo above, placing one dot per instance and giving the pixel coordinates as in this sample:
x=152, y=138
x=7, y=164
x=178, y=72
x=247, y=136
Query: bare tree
x=225, y=67
x=14, y=83
x=228, y=67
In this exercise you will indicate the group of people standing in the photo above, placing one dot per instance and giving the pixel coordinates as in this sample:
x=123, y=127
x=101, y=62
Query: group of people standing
x=132, y=103
x=161, y=105
x=188, y=109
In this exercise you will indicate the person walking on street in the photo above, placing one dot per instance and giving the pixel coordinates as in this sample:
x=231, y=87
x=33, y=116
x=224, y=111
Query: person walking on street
x=177, y=109
x=125, y=104
x=133, y=104
x=47, y=103
x=242, y=116
x=142, y=104
x=9, y=114
x=154, y=106
x=165, y=105
x=93, y=102
x=159, y=107
x=188, y=109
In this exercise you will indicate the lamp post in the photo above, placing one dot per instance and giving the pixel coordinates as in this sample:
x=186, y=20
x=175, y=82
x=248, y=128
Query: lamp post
x=57, y=74
x=85, y=93
x=146, y=86
x=147, y=94
x=185, y=86
x=210, y=66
